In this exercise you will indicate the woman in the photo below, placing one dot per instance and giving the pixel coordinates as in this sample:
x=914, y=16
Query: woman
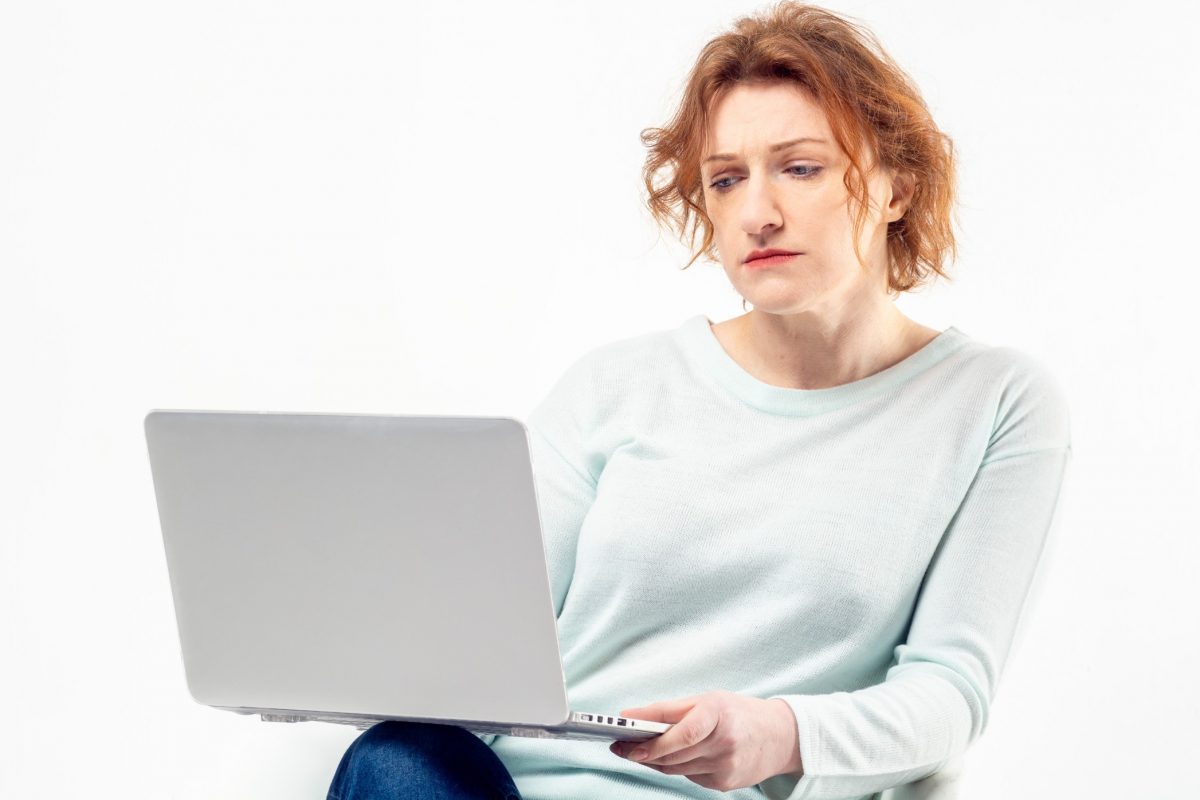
x=803, y=535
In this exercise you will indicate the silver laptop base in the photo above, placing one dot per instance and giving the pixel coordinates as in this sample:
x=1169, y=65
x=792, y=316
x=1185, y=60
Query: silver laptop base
x=580, y=726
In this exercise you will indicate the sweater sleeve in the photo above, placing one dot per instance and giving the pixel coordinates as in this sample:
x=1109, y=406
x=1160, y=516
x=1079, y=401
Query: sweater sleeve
x=934, y=700
x=565, y=472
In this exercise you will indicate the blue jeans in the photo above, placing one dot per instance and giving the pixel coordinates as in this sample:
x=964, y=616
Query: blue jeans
x=420, y=761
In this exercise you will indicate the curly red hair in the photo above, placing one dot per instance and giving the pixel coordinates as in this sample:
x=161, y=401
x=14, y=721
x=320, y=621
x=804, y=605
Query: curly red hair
x=872, y=106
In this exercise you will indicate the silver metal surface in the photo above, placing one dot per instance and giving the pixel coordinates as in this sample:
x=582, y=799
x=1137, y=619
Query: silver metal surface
x=360, y=567
x=579, y=726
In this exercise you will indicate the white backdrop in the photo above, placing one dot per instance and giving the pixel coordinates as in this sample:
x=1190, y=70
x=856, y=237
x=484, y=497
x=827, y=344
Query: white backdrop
x=393, y=208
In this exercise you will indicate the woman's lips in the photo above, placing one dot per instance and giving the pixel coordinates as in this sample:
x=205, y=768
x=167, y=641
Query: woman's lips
x=770, y=261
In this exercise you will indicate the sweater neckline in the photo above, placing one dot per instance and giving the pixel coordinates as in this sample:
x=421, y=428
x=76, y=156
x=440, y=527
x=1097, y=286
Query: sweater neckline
x=697, y=337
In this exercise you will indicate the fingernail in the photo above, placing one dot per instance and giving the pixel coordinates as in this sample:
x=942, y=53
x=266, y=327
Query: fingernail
x=638, y=754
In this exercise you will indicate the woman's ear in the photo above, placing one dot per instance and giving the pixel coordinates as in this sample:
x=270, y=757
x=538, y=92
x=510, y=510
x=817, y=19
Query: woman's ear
x=903, y=186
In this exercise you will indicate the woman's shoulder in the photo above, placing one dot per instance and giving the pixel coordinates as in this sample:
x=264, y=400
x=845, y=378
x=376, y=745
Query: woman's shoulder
x=600, y=376
x=1024, y=391
x=625, y=357
x=1007, y=365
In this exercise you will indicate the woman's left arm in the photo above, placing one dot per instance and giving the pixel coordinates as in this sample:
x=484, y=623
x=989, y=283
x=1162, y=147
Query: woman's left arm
x=934, y=701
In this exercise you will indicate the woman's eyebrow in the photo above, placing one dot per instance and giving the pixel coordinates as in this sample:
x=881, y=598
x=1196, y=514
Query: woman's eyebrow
x=773, y=148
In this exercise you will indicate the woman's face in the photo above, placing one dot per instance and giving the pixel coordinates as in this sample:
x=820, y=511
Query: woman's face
x=791, y=199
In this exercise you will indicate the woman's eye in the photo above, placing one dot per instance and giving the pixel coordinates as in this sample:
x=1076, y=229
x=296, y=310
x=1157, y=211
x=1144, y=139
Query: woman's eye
x=811, y=170
x=720, y=184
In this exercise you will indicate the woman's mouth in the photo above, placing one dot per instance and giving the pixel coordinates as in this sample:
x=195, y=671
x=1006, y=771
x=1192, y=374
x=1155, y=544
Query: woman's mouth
x=770, y=261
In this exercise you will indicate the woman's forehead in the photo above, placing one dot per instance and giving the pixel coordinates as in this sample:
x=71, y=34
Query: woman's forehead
x=766, y=119
x=770, y=149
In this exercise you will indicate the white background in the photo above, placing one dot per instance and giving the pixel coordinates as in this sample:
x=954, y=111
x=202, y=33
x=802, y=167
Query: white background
x=395, y=208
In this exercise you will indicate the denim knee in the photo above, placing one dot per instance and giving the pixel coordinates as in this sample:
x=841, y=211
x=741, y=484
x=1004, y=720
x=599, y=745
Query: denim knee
x=419, y=760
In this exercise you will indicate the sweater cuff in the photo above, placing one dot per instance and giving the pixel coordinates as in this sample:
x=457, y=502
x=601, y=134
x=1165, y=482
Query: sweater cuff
x=787, y=786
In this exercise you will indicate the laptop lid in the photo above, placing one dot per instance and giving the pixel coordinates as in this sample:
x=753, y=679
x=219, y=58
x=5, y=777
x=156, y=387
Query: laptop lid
x=358, y=564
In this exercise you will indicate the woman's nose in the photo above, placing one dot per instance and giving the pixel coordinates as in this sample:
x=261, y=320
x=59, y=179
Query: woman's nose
x=760, y=206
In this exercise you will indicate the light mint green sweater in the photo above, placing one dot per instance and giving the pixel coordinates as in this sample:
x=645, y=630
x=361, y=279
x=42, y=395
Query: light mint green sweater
x=863, y=552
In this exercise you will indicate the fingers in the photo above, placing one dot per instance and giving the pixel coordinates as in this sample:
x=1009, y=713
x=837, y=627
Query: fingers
x=696, y=768
x=680, y=744
x=687, y=754
x=666, y=711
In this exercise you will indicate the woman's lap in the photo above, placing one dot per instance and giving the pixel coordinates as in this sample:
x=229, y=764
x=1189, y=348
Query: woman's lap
x=418, y=761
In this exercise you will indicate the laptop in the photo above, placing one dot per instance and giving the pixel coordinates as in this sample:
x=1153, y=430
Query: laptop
x=355, y=568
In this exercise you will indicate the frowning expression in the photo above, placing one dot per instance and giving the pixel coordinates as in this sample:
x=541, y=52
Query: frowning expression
x=772, y=177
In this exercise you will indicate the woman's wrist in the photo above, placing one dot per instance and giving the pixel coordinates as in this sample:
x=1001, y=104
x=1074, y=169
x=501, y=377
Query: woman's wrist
x=791, y=762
